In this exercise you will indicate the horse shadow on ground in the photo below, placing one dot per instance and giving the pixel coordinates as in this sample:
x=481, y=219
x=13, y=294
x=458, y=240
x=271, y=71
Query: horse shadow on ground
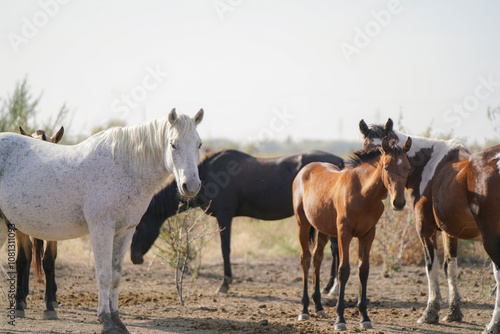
x=210, y=325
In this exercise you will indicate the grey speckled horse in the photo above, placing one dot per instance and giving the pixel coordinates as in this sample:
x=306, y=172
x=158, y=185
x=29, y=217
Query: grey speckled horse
x=101, y=186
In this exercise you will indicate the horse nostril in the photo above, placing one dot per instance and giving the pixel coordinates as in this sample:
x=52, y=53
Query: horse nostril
x=398, y=206
x=185, y=188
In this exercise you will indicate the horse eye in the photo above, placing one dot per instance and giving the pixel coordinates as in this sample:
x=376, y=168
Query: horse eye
x=173, y=146
x=199, y=146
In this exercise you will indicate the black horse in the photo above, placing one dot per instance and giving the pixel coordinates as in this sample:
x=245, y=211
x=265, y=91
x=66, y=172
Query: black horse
x=233, y=184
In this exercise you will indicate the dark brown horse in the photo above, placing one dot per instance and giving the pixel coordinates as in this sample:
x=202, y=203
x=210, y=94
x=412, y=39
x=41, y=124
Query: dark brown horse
x=458, y=193
x=233, y=184
x=25, y=251
x=346, y=204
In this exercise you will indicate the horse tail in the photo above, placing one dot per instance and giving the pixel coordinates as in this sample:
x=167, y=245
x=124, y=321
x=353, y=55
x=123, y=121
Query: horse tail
x=312, y=237
x=37, y=259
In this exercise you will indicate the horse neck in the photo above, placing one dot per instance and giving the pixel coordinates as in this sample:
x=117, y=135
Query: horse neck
x=166, y=202
x=424, y=156
x=372, y=187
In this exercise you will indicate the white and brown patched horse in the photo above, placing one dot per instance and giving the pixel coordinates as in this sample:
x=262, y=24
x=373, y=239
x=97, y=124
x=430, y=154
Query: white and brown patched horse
x=458, y=193
x=26, y=249
x=101, y=186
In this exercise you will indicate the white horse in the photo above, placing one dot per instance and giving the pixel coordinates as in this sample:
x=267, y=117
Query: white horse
x=101, y=186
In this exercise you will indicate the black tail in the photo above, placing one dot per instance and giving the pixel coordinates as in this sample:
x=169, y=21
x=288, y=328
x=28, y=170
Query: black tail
x=312, y=237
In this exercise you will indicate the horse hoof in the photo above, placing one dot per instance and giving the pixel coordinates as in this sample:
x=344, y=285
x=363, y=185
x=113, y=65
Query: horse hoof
x=222, y=289
x=111, y=331
x=321, y=314
x=366, y=325
x=495, y=329
x=455, y=315
x=429, y=318
x=304, y=316
x=340, y=326
x=50, y=315
x=20, y=314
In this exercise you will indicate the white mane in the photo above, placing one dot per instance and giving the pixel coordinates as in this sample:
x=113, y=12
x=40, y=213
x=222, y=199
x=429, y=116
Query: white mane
x=146, y=143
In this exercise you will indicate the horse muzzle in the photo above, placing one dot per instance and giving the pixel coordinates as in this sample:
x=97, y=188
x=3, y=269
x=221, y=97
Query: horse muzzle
x=190, y=190
x=137, y=258
x=398, y=205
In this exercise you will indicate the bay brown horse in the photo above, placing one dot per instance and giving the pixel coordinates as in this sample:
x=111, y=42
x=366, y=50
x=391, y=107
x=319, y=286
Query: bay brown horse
x=346, y=204
x=233, y=184
x=25, y=254
x=458, y=193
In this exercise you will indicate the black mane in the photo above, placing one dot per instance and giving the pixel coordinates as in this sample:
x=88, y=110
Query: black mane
x=367, y=156
x=363, y=156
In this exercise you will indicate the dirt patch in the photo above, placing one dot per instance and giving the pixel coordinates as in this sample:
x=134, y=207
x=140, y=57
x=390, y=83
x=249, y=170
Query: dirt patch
x=265, y=298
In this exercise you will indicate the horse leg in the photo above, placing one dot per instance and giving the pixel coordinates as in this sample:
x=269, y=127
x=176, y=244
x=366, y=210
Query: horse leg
x=365, y=244
x=332, y=287
x=101, y=236
x=321, y=242
x=431, y=313
x=23, y=261
x=305, y=260
x=120, y=246
x=451, y=271
x=50, y=287
x=224, y=219
x=345, y=238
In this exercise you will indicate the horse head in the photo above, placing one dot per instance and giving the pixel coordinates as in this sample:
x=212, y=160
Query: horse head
x=183, y=152
x=40, y=134
x=373, y=135
x=395, y=168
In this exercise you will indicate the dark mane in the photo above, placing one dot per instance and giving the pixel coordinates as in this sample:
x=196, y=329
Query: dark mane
x=367, y=156
x=362, y=156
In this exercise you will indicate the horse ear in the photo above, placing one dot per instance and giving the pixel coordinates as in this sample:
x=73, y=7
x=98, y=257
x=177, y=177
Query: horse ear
x=388, y=126
x=24, y=133
x=58, y=135
x=407, y=145
x=172, y=116
x=198, y=117
x=364, y=128
x=385, y=145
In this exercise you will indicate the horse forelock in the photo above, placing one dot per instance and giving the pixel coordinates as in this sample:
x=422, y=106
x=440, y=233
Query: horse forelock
x=182, y=126
x=376, y=131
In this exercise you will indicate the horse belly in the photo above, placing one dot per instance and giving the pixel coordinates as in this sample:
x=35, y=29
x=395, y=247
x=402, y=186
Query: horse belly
x=54, y=231
x=322, y=216
x=456, y=220
x=44, y=217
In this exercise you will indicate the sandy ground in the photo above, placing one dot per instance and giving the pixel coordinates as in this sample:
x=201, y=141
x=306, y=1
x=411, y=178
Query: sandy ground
x=265, y=298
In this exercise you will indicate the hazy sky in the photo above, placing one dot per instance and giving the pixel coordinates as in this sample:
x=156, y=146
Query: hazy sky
x=260, y=69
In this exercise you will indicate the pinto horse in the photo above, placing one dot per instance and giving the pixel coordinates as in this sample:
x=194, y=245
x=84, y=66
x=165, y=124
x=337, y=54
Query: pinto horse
x=233, y=184
x=346, y=204
x=458, y=193
x=101, y=186
x=25, y=251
